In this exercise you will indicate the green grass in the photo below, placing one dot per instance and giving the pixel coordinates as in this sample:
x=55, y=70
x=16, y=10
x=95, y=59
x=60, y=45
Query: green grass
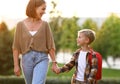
x=109, y=76
x=111, y=73
x=61, y=75
x=106, y=73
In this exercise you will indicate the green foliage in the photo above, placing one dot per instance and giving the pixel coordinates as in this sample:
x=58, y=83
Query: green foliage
x=69, y=33
x=109, y=76
x=90, y=24
x=109, y=81
x=56, y=30
x=6, y=62
x=15, y=80
x=62, y=80
x=65, y=32
x=107, y=37
x=11, y=80
x=107, y=41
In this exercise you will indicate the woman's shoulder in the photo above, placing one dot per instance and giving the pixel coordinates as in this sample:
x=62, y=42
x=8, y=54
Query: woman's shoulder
x=45, y=22
x=20, y=22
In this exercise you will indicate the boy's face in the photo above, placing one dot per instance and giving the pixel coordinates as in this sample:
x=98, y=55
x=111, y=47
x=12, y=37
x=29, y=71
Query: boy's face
x=82, y=39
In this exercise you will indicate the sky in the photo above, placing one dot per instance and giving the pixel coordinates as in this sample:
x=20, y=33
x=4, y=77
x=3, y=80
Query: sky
x=80, y=8
x=14, y=9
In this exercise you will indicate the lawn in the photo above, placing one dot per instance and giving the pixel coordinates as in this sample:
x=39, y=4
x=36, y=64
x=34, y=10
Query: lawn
x=109, y=76
x=106, y=73
x=111, y=73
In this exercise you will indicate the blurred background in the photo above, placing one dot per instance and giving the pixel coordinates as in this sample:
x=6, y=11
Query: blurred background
x=66, y=17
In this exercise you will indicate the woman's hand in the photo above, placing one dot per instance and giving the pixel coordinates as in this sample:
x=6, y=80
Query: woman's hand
x=55, y=68
x=17, y=70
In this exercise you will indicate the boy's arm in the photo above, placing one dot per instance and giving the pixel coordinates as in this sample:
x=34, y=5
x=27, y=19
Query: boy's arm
x=68, y=66
x=94, y=69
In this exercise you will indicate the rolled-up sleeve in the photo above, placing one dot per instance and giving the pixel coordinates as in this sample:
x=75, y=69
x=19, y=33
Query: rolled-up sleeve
x=16, y=44
x=49, y=36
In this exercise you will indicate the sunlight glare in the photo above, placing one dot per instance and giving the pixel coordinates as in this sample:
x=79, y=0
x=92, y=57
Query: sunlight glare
x=68, y=8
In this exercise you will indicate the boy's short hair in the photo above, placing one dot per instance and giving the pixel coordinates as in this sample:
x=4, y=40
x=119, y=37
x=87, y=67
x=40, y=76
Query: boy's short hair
x=88, y=33
x=31, y=7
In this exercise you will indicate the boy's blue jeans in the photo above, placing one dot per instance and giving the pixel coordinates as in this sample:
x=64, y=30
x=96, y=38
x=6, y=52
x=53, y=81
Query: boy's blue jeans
x=34, y=66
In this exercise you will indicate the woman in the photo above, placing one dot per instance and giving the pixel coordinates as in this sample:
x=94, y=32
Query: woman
x=34, y=41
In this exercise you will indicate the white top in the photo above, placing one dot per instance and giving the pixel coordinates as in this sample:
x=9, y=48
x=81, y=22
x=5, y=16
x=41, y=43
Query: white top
x=81, y=65
x=32, y=32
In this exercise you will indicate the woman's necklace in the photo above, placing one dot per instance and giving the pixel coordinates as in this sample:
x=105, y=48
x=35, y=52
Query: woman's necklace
x=33, y=25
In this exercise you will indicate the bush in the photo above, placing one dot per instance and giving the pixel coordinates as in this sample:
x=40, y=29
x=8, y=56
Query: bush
x=11, y=80
x=52, y=80
x=109, y=81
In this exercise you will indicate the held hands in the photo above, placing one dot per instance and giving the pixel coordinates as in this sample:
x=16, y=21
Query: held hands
x=55, y=68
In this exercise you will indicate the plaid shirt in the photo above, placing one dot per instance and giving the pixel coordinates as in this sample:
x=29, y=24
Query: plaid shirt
x=90, y=70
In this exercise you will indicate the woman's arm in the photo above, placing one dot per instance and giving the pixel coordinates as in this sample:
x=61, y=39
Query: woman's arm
x=16, y=62
x=54, y=63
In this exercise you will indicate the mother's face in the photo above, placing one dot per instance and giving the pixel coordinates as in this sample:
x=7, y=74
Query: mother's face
x=40, y=10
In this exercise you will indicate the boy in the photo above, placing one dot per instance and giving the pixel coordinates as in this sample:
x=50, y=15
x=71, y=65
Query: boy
x=85, y=71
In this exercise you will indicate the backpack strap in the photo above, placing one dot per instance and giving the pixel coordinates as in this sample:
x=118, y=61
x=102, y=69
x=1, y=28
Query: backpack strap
x=92, y=56
x=93, y=64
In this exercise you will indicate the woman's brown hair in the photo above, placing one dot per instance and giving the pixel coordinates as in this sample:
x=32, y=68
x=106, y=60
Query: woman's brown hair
x=31, y=7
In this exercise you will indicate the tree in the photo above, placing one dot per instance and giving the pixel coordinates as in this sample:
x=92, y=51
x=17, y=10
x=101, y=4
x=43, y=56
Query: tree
x=55, y=22
x=108, y=38
x=69, y=33
x=65, y=32
x=6, y=62
x=57, y=31
x=90, y=24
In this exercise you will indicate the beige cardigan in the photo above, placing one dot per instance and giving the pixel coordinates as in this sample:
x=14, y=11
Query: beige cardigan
x=42, y=41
